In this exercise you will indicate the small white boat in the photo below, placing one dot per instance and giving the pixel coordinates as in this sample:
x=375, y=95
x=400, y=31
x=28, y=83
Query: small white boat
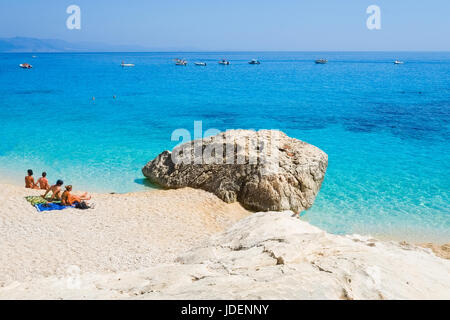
x=200, y=63
x=224, y=62
x=123, y=64
x=25, y=66
x=321, y=61
x=180, y=62
x=398, y=62
x=254, y=61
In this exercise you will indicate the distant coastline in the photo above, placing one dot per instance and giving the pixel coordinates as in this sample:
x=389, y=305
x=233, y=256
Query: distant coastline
x=38, y=45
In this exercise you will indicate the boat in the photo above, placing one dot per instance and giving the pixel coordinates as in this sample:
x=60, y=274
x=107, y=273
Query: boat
x=200, y=63
x=398, y=62
x=321, y=61
x=224, y=62
x=123, y=64
x=254, y=61
x=180, y=62
x=25, y=66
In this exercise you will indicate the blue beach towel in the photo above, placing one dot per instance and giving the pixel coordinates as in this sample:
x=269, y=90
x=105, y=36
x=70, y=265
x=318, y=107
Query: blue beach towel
x=50, y=206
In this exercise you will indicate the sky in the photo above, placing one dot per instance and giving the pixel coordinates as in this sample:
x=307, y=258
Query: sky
x=233, y=25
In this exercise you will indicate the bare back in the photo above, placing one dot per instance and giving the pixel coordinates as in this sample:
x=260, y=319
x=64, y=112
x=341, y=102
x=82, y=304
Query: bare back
x=56, y=191
x=43, y=183
x=29, y=182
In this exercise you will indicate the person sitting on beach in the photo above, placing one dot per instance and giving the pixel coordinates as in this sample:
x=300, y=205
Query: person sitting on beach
x=43, y=182
x=68, y=199
x=56, y=191
x=29, y=180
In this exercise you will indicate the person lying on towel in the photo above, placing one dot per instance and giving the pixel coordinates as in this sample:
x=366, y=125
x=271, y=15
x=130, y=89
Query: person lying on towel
x=68, y=199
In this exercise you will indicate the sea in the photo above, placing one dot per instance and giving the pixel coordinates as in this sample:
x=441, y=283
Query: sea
x=83, y=118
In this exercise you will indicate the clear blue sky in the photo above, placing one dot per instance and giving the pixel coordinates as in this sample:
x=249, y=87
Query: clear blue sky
x=236, y=24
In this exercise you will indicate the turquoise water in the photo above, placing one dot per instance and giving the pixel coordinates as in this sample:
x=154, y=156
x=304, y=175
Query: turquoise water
x=385, y=127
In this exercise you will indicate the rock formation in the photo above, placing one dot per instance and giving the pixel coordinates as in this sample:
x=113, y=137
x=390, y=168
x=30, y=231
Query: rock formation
x=263, y=170
x=268, y=255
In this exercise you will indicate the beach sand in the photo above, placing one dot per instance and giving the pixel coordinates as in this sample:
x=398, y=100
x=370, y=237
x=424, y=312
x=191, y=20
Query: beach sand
x=129, y=246
x=124, y=232
x=441, y=250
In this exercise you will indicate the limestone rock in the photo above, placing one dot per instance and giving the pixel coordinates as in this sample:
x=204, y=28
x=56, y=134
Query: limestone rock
x=268, y=255
x=263, y=170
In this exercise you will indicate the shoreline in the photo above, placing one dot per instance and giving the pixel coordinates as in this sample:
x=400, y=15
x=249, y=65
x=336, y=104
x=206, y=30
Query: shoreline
x=266, y=255
x=124, y=232
x=441, y=246
x=151, y=241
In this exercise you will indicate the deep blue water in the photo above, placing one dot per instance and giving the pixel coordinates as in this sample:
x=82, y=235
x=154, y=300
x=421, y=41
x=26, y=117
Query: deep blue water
x=385, y=127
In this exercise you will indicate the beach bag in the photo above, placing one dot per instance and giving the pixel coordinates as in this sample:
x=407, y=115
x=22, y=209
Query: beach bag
x=82, y=205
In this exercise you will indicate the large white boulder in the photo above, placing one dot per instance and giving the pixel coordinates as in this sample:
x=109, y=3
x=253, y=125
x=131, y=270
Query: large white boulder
x=263, y=170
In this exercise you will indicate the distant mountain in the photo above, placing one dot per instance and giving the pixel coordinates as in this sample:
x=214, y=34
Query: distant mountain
x=23, y=44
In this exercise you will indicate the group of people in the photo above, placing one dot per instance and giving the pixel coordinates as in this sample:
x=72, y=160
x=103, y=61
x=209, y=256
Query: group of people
x=66, y=197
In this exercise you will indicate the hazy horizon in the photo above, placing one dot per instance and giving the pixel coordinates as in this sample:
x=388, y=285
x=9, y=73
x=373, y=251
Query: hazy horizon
x=86, y=47
x=258, y=26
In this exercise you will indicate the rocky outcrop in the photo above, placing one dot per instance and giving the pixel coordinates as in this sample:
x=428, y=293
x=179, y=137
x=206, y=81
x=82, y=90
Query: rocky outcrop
x=268, y=255
x=263, y=170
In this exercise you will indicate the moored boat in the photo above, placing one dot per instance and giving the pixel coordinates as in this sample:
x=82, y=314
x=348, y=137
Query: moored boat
x=25, y=66
x=254, y=61
x=200, y=63
x=321, y=61
x=180, y=62
x=398, y=62
x=123, y=64
x=224, y=62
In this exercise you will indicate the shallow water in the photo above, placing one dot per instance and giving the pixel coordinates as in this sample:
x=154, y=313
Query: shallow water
x=385, y=127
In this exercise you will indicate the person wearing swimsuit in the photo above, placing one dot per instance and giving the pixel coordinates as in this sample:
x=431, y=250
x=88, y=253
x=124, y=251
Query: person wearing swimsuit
x=68, y=199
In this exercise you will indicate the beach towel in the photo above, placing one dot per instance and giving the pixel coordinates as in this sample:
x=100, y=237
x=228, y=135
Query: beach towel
x=43, y=205
x=34, y=200
x=50, y=206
